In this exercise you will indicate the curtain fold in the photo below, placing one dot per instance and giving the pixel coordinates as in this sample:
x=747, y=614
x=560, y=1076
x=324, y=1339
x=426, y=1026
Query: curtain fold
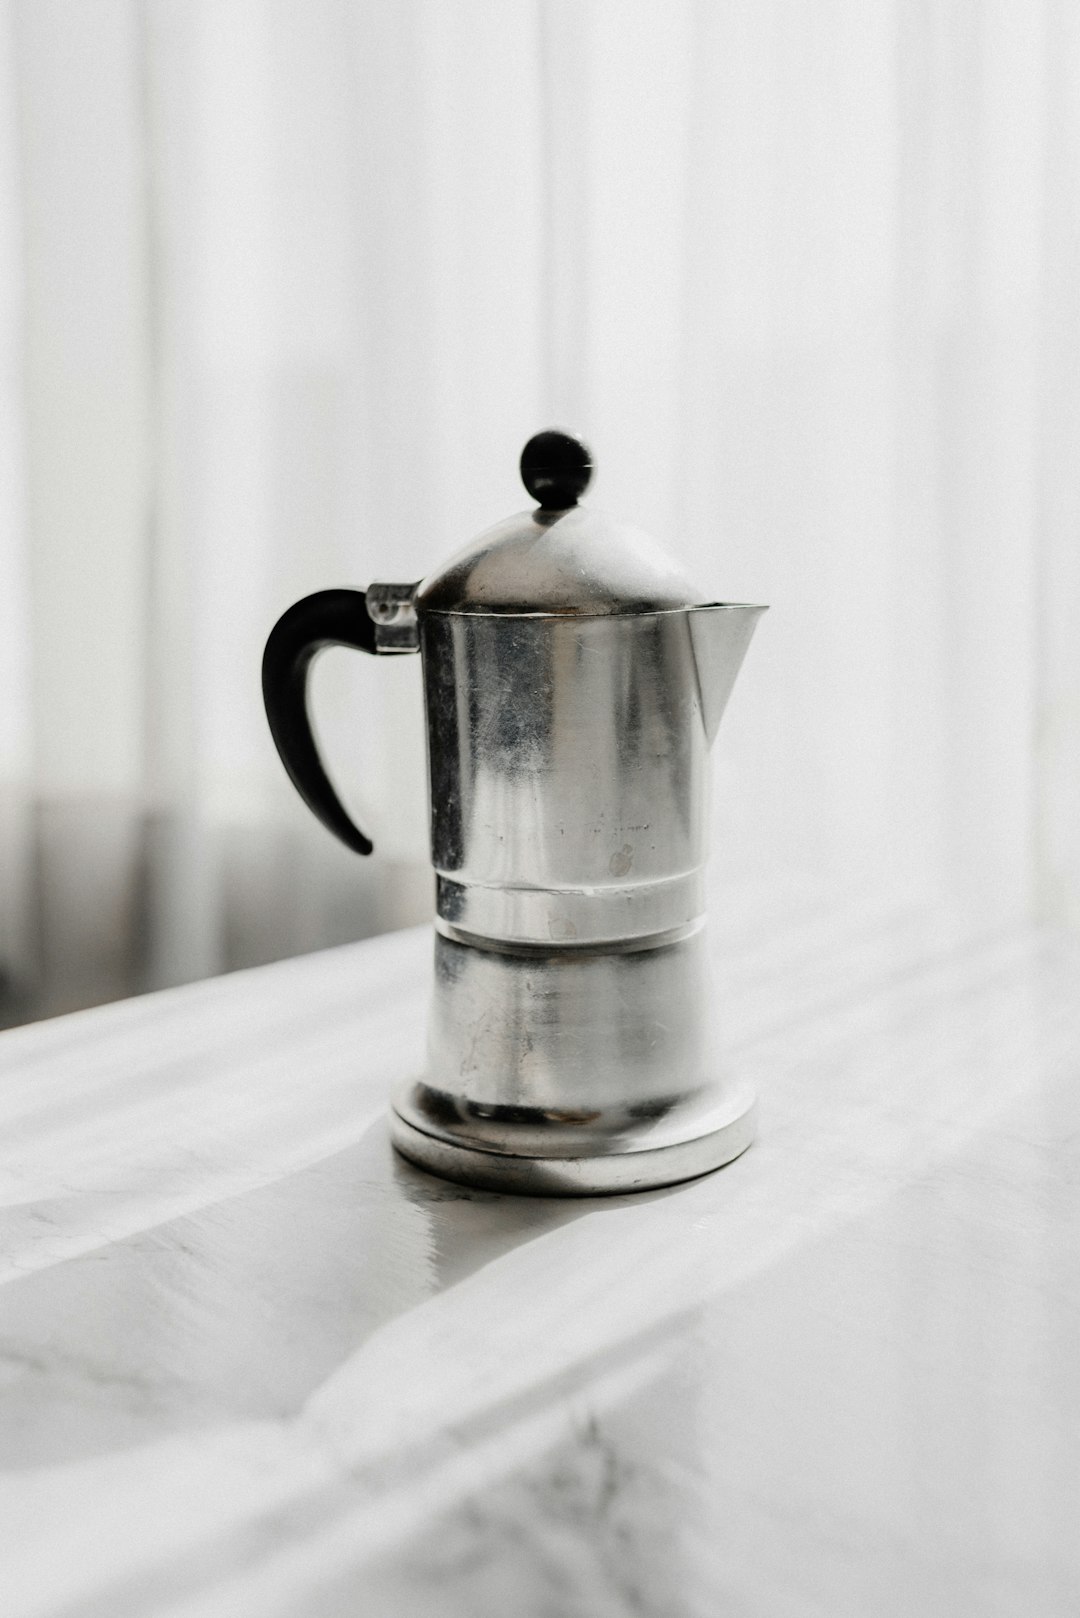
x=285, y=286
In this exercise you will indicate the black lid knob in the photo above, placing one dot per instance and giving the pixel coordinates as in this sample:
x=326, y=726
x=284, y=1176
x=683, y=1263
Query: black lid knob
x=556, y=468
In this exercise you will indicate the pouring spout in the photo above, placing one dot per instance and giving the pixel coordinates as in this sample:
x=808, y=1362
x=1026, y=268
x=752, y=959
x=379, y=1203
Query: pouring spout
x=719, y=635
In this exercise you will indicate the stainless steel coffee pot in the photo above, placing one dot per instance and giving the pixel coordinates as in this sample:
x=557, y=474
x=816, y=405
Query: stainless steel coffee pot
x=573, y=685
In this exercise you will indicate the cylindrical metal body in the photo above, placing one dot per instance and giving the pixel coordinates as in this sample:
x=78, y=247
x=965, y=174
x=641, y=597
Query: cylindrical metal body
x=569, y=776
x=571, y=1044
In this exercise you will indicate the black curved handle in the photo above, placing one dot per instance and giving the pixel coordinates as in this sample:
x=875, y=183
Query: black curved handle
x=328, y=618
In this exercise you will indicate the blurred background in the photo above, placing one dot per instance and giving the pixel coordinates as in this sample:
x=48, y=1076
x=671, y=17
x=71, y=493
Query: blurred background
x=286, y=284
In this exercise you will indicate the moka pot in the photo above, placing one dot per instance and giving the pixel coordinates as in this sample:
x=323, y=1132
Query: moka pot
x=574, y=684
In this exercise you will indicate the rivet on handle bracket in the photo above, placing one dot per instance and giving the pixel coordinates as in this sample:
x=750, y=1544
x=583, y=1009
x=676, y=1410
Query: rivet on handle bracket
x=392, y=609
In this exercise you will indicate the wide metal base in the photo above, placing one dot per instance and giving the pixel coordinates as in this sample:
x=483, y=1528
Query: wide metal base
x=626, y=1165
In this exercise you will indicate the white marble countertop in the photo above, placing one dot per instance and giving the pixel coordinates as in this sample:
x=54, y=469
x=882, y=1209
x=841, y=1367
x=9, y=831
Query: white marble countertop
x=252, y=1363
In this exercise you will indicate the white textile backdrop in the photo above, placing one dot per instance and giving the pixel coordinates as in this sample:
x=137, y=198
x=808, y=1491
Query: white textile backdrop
x=285, y=285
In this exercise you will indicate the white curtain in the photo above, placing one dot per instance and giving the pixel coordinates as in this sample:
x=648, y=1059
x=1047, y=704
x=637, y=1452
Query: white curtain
x=285, y=285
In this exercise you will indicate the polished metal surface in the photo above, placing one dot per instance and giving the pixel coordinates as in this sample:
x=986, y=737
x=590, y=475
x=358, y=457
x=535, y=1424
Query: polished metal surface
x=574, y=1071
x=719, y=1136
x=392, y=609
x=568, y=765
x=572, y=562
x=617, y=917
x=588, y=1045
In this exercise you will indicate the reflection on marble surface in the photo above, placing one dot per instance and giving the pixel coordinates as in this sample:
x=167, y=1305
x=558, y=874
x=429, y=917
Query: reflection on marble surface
x=252, y=1363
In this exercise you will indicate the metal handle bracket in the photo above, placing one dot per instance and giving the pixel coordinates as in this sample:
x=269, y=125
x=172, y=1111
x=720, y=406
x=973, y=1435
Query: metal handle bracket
x=392, y=609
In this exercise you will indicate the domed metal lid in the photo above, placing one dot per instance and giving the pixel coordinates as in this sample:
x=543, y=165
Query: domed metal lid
x=561, y=559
